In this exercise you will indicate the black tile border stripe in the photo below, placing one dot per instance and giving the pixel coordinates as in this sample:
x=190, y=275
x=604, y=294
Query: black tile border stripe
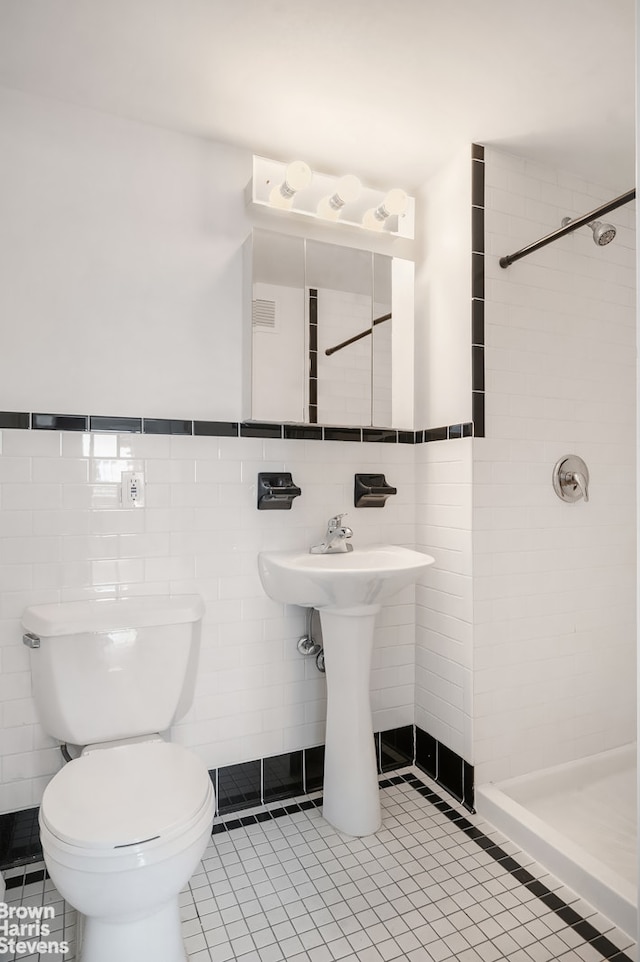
x=312, y=333
x=220, y=429
x=254, y=429
x=247, y=784
x=100, y=424
x=15, y=420
x=16, y=881
x=119, y=425
x=166, y=426
x=477, y=289
x=59, y=422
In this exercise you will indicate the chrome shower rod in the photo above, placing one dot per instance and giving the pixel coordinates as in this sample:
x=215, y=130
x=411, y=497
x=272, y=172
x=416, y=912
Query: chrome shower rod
x=573, y=225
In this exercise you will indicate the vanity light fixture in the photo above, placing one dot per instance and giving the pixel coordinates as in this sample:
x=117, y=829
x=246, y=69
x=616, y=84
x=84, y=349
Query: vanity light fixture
x=335, y=200
x=394, y=204
x=347, y=191
x=297, y=176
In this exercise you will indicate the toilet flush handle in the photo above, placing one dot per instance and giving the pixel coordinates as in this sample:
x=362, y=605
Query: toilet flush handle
x=30, y=640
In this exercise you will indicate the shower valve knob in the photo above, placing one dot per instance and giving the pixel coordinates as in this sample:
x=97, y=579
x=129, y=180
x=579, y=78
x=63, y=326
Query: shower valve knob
x=571, y=479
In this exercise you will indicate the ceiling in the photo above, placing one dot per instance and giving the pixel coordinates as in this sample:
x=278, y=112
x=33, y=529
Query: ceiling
x=386, y=89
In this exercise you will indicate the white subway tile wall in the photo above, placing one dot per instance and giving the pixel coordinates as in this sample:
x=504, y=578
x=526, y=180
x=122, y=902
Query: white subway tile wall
x=65, y=536
x=444, y=610
x=554, y=583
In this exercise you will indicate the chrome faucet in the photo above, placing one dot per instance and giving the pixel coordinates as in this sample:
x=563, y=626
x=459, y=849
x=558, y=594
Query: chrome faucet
x=335, y=540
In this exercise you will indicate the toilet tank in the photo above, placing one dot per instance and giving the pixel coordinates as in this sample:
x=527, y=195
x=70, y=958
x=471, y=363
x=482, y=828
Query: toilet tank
x=103, y=670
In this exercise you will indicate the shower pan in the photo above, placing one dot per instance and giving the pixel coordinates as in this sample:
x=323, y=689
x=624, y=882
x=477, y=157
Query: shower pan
x=579, y=821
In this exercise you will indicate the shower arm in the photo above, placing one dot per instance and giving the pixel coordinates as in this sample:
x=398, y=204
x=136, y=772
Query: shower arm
x=573, y=225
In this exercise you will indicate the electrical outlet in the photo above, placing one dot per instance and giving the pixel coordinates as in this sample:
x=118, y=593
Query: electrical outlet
x=132, y=489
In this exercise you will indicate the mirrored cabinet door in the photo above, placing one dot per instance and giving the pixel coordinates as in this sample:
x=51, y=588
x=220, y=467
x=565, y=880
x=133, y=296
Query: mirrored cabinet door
x=341, y=282
x=324, y=332
x=278, y=335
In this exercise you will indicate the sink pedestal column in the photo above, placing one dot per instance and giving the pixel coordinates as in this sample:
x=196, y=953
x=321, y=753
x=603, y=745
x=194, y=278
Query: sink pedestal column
x=351, y=793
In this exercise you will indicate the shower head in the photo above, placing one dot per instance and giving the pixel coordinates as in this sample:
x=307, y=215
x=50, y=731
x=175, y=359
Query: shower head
x=602, y=233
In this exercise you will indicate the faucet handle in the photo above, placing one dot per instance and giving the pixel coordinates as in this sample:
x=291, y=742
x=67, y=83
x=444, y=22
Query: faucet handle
x=336, y=521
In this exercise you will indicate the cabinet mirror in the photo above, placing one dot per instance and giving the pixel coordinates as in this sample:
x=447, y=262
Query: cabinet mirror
x=331, y=331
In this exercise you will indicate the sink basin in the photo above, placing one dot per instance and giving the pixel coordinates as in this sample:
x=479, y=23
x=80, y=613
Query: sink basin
x=348, y=590
x=364, y=576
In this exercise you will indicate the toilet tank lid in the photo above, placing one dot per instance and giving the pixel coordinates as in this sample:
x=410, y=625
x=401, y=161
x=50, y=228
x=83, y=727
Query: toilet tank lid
x=112, y=614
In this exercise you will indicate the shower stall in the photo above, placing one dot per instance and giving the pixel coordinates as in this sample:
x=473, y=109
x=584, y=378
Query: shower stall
x=579, y=821
x=554, y=583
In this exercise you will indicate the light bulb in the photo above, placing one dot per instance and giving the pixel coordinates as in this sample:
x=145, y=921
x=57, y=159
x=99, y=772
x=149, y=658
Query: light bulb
x=372, y=221
x=347, y=190
x=297, y=176
x=394, y=204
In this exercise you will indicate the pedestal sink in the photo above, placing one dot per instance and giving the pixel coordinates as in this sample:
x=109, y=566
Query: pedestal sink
x=347, y=589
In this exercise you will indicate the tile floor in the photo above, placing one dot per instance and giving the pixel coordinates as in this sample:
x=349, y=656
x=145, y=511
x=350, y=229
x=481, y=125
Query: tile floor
x=434, y=884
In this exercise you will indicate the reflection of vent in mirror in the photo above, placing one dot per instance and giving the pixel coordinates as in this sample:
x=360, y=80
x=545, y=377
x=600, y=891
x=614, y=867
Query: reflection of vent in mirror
x=264, y=314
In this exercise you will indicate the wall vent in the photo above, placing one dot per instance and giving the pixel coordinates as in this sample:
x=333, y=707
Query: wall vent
x=264, y=314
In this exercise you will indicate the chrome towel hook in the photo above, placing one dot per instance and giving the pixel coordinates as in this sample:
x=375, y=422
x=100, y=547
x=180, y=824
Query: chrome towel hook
x=571, y=478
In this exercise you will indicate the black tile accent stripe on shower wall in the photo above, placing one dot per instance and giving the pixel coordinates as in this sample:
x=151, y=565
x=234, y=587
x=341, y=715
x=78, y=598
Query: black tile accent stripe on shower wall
x=249, y=784
x=477, y=290
x=312, y=386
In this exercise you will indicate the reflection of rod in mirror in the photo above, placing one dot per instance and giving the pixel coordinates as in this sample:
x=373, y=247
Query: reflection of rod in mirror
x=358, y=337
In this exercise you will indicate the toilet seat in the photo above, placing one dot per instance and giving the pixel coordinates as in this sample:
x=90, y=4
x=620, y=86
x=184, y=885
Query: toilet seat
x=124, y=796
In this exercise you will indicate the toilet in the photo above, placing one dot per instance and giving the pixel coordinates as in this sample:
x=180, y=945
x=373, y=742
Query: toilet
x=125, y=823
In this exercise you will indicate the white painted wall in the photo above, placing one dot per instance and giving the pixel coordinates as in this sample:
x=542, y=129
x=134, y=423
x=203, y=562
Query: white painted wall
x=554, y=583
x=443, y=296
x=121, y=265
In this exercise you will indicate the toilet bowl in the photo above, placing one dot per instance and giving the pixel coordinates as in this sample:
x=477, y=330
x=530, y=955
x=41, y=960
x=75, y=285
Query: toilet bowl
x=124, y=825
x=122, y=831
